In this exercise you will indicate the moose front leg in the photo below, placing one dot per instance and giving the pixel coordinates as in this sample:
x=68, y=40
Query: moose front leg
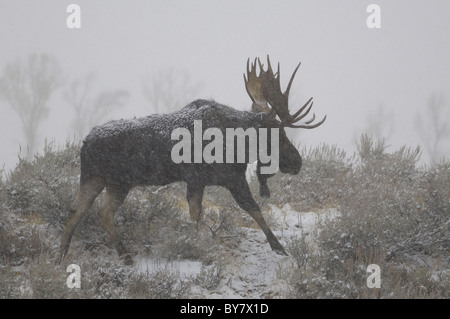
x=264, y=190
x=194, y=196
x=241, y=193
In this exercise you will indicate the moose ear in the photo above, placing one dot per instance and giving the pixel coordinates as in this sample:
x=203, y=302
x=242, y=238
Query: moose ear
x=262, y=116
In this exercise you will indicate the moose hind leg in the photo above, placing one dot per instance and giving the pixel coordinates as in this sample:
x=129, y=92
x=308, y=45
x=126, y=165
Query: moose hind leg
x=114, y=197
x=194, y=197
x=242, y=195
x=86, y=195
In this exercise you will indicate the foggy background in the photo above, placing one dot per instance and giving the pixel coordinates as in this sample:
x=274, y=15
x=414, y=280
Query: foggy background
x=135, y=58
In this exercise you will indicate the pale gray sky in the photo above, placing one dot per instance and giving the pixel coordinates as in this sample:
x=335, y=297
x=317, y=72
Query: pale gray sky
x=349, y=69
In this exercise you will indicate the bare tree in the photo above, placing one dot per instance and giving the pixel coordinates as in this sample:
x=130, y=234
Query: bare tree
x=169, y=90
x=380, y=123
x=27, y=86
x=91, y=111
x=433, y=127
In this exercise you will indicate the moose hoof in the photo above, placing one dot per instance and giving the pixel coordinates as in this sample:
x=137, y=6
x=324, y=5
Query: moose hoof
x=281, y=252
x=277, y=248
x=264, y=192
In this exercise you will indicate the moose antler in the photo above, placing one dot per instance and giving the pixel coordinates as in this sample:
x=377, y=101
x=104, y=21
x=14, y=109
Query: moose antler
x=254, y=87
x=265, y=89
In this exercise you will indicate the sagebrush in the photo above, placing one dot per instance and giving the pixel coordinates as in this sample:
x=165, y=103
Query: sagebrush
x=392, y=212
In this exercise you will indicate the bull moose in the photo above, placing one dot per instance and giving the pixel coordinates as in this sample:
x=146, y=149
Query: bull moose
x=122, y=154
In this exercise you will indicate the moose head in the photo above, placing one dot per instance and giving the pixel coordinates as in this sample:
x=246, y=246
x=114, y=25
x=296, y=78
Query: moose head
x=266, y=95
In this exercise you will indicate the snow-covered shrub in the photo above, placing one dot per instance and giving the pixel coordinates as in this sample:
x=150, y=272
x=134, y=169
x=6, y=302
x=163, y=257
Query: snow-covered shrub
x=436, y=196
x=218, y=196
x=43, y=189
x=186, y=241
x=160, y=284
x=210, y=276
x=300, y=249
x=145, y=217
x=20, y=239
x=388, y=212
x=46, y=280
x=227, y=222
x=320, y=183
x=392, y=211
x=105, y=278
x=385, y=207
x=46, y=185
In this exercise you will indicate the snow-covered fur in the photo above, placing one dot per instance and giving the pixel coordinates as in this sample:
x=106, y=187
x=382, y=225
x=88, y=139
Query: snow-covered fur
x=138, y=151
x=126, y=153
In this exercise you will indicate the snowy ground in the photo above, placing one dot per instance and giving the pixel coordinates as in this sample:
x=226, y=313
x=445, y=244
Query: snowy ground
x=251, y=269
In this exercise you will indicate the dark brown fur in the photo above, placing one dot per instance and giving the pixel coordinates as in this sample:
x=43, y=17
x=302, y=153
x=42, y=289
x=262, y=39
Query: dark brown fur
x=123, y=154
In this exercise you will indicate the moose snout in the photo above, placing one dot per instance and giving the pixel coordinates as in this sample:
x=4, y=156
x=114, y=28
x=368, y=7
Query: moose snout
x=290, y=170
